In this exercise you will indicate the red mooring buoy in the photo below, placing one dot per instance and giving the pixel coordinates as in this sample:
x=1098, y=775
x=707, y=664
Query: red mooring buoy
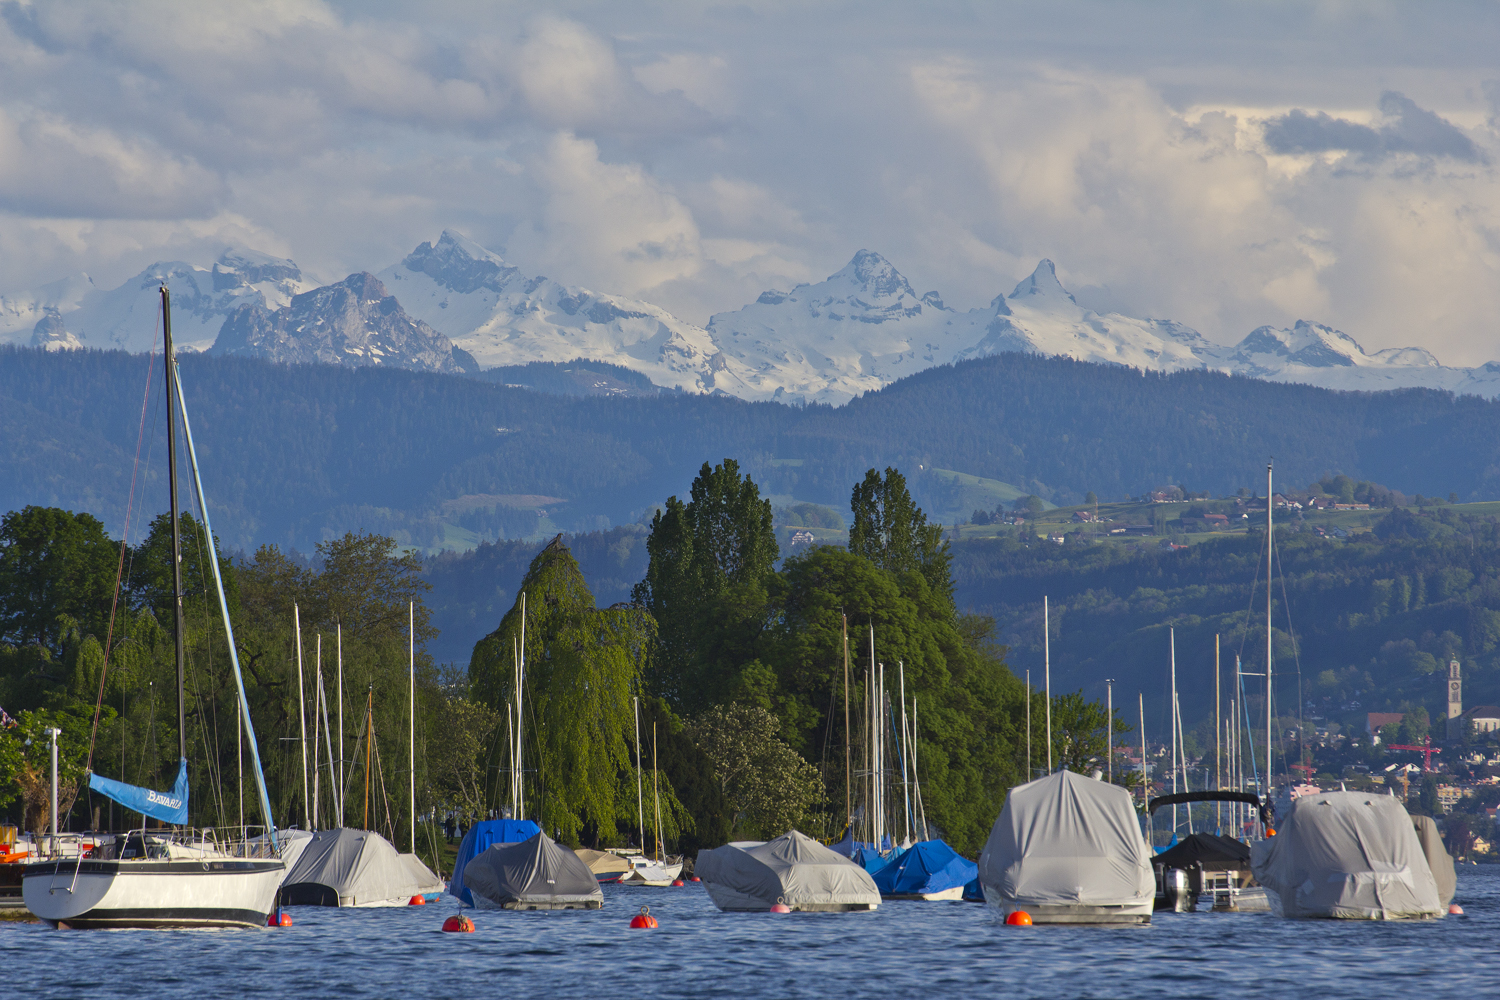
x=459, y=924
x=1018, y=918
x=1455, y=910
x=780, y=905
x=695, y=879
x=416, y=901
x=677, y=881
x=279, y=918
x=643, y=919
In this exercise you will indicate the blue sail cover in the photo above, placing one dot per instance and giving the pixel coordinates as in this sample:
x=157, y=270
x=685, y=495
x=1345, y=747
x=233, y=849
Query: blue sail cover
x=479, y=839
x=169, y=807
x=928, y=866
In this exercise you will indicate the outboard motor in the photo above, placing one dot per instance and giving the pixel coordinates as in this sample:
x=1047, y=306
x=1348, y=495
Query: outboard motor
x=1177, y=896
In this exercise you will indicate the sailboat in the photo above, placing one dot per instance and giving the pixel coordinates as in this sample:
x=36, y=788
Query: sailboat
x=661, y=870
x=155, y=878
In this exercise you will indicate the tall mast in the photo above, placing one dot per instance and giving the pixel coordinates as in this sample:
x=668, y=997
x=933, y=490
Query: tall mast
x=1047, y=666
x=1029, y=775
x=510, y=710
x=302, y=720
x=1172, y=633
x=411, y=758
x=905, y=750
x=640, y=801
x=342, y=786
x=870, y=801
x=520, y=693
x=1218, y=743
x=655, y=792
x=177, y=627
x=1145, y=766
x=1270, y=544
x=848, y=755
x=317, y=704
x=338, y=802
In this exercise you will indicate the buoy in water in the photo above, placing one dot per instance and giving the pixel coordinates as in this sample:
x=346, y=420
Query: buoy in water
x=279, y=918
x=780, y=906
x=459, y=924
x=695, y=879
x=1455, y=910
x=1018, y=918
x=416, y=901
x=677, y=881
x=643, y=919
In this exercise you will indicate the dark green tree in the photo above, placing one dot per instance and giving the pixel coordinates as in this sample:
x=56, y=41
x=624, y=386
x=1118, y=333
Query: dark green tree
x=53, y=562
x=892, y=532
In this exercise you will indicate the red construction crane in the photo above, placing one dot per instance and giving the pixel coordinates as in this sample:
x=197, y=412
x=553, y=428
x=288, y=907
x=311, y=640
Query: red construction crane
x=1426, y=750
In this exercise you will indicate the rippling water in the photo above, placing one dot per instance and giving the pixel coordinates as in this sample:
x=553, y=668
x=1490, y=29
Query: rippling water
x=902, y=949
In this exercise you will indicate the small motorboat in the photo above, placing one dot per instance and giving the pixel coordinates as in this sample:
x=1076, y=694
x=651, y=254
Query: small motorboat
x=537, y=874
x=646, y=871
x=793, y=870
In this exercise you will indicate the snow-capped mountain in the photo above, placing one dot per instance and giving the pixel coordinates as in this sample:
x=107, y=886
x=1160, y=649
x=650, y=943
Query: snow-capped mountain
x=74, y=313
x=354, y=322
x=862, y=328
x=504, y=317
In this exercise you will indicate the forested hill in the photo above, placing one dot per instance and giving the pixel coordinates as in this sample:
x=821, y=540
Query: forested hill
x=299, y=454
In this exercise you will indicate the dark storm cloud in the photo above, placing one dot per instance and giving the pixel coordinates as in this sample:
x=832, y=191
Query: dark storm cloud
x=1409, y=129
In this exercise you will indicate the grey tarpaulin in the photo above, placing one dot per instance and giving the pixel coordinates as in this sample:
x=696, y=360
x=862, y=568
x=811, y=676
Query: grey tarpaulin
x=1351, y=856
x=604, y=865
x=793, y=869
x=536, y=874
x=354, y=868
x=1437, y=856
x=1067, y=840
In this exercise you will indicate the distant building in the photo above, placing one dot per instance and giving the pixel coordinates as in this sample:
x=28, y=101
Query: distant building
x=1375, y=720
x=1455, y=699
x=1351, y=506
x=802, y=538
x=1486, y=718
x=1057, y=537
x=1448, y=796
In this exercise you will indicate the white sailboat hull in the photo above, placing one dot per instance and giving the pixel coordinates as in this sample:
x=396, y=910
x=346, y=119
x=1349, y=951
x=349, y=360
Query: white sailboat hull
x=652, y=873
x=225, y=892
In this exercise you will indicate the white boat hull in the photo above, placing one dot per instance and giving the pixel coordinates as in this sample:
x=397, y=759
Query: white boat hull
x=226, y=892
x=957, y=892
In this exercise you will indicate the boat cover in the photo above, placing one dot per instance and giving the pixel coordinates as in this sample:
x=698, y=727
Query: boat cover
x=871, y=860
x=793, y=868
x=1437, y=856
x=1351, y=856
x=927, y=866
x=478, y=839
x=354, y=868
x=536, y=873
x=1067, y=840
x=603, y=864
x=1212, y=852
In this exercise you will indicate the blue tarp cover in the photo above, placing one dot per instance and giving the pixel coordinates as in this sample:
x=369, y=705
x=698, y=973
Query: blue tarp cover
x=169, y=807
x=927, y=866
x=478, y=840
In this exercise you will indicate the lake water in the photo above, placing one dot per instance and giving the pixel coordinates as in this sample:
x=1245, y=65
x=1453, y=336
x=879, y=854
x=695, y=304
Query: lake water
x=902, y=949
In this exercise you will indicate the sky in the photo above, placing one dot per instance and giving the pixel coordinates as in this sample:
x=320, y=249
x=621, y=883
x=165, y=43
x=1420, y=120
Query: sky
x=1222, y=165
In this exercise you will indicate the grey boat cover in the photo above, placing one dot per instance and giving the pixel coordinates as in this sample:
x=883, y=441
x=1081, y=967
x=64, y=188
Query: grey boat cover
x=537, y=872
x=793, y=868
x=1352, y=856
x=354, y=868
x=1067, y=840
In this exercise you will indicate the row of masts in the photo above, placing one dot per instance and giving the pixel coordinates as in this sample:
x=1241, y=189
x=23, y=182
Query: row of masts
x=884, y=732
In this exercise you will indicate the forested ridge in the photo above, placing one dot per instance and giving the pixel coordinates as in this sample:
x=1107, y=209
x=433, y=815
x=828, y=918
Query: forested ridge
x=297, y=455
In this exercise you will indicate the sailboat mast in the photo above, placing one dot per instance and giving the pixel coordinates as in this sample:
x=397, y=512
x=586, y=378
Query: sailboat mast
x=1218, y=744
x=1029, y=775
x=302, y=720
x=848, y=753
x=411, y=758
x=1047, y=676
x=317, y=704
x=1172, y=633
x=640, y=800
x=870, y=820
x=520, y=694
x=342, y=787
x=338, y=805
x=1145, y=765
x=905, y=751
x=655, y=792
x=1270, y=544
x=177, y=624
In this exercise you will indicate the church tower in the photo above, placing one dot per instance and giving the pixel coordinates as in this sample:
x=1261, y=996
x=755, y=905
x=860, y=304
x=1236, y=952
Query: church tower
x=1455, y=700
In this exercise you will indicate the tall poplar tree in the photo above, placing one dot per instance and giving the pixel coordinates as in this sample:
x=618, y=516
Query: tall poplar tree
x=892, y=532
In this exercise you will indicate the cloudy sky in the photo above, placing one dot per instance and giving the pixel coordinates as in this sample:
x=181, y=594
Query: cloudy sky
x=1222, y=165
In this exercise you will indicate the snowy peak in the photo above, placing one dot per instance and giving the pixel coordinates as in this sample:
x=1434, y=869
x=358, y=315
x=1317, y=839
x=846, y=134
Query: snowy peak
x=459, y=264
x=354, y=322
x=1042, y=288
x=874, y=276
x=1313, y=345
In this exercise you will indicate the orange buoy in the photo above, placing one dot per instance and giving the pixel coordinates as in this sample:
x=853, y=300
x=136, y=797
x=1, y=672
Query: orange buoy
x=459, y=924
x=643, y=919
x=279, y=918
x=1018, y=918
x=1455, y=910
x=416, y=901
x=780, y=906
x=677, y=881
x=695, y=879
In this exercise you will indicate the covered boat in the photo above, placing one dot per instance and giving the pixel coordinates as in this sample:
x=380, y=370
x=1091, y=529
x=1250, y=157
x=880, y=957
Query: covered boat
x=355, y=868
x=929, y=869
x=1355, y=856
x=793, y=869
x=480, y=838
x=536, y=874
x=1068, y=850
x=606, y=865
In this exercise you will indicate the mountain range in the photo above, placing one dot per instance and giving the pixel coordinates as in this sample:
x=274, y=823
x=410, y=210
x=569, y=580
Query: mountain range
x=455, y=306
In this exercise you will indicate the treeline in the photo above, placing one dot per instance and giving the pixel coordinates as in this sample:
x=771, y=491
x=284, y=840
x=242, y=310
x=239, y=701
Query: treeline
x=382, y=451
x=1376, y=617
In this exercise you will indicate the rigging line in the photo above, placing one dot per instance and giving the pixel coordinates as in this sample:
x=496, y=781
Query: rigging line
x=1250, y=601
x=385, y=797
x=114, y=600
x=215, y=766
x=1286, y=602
